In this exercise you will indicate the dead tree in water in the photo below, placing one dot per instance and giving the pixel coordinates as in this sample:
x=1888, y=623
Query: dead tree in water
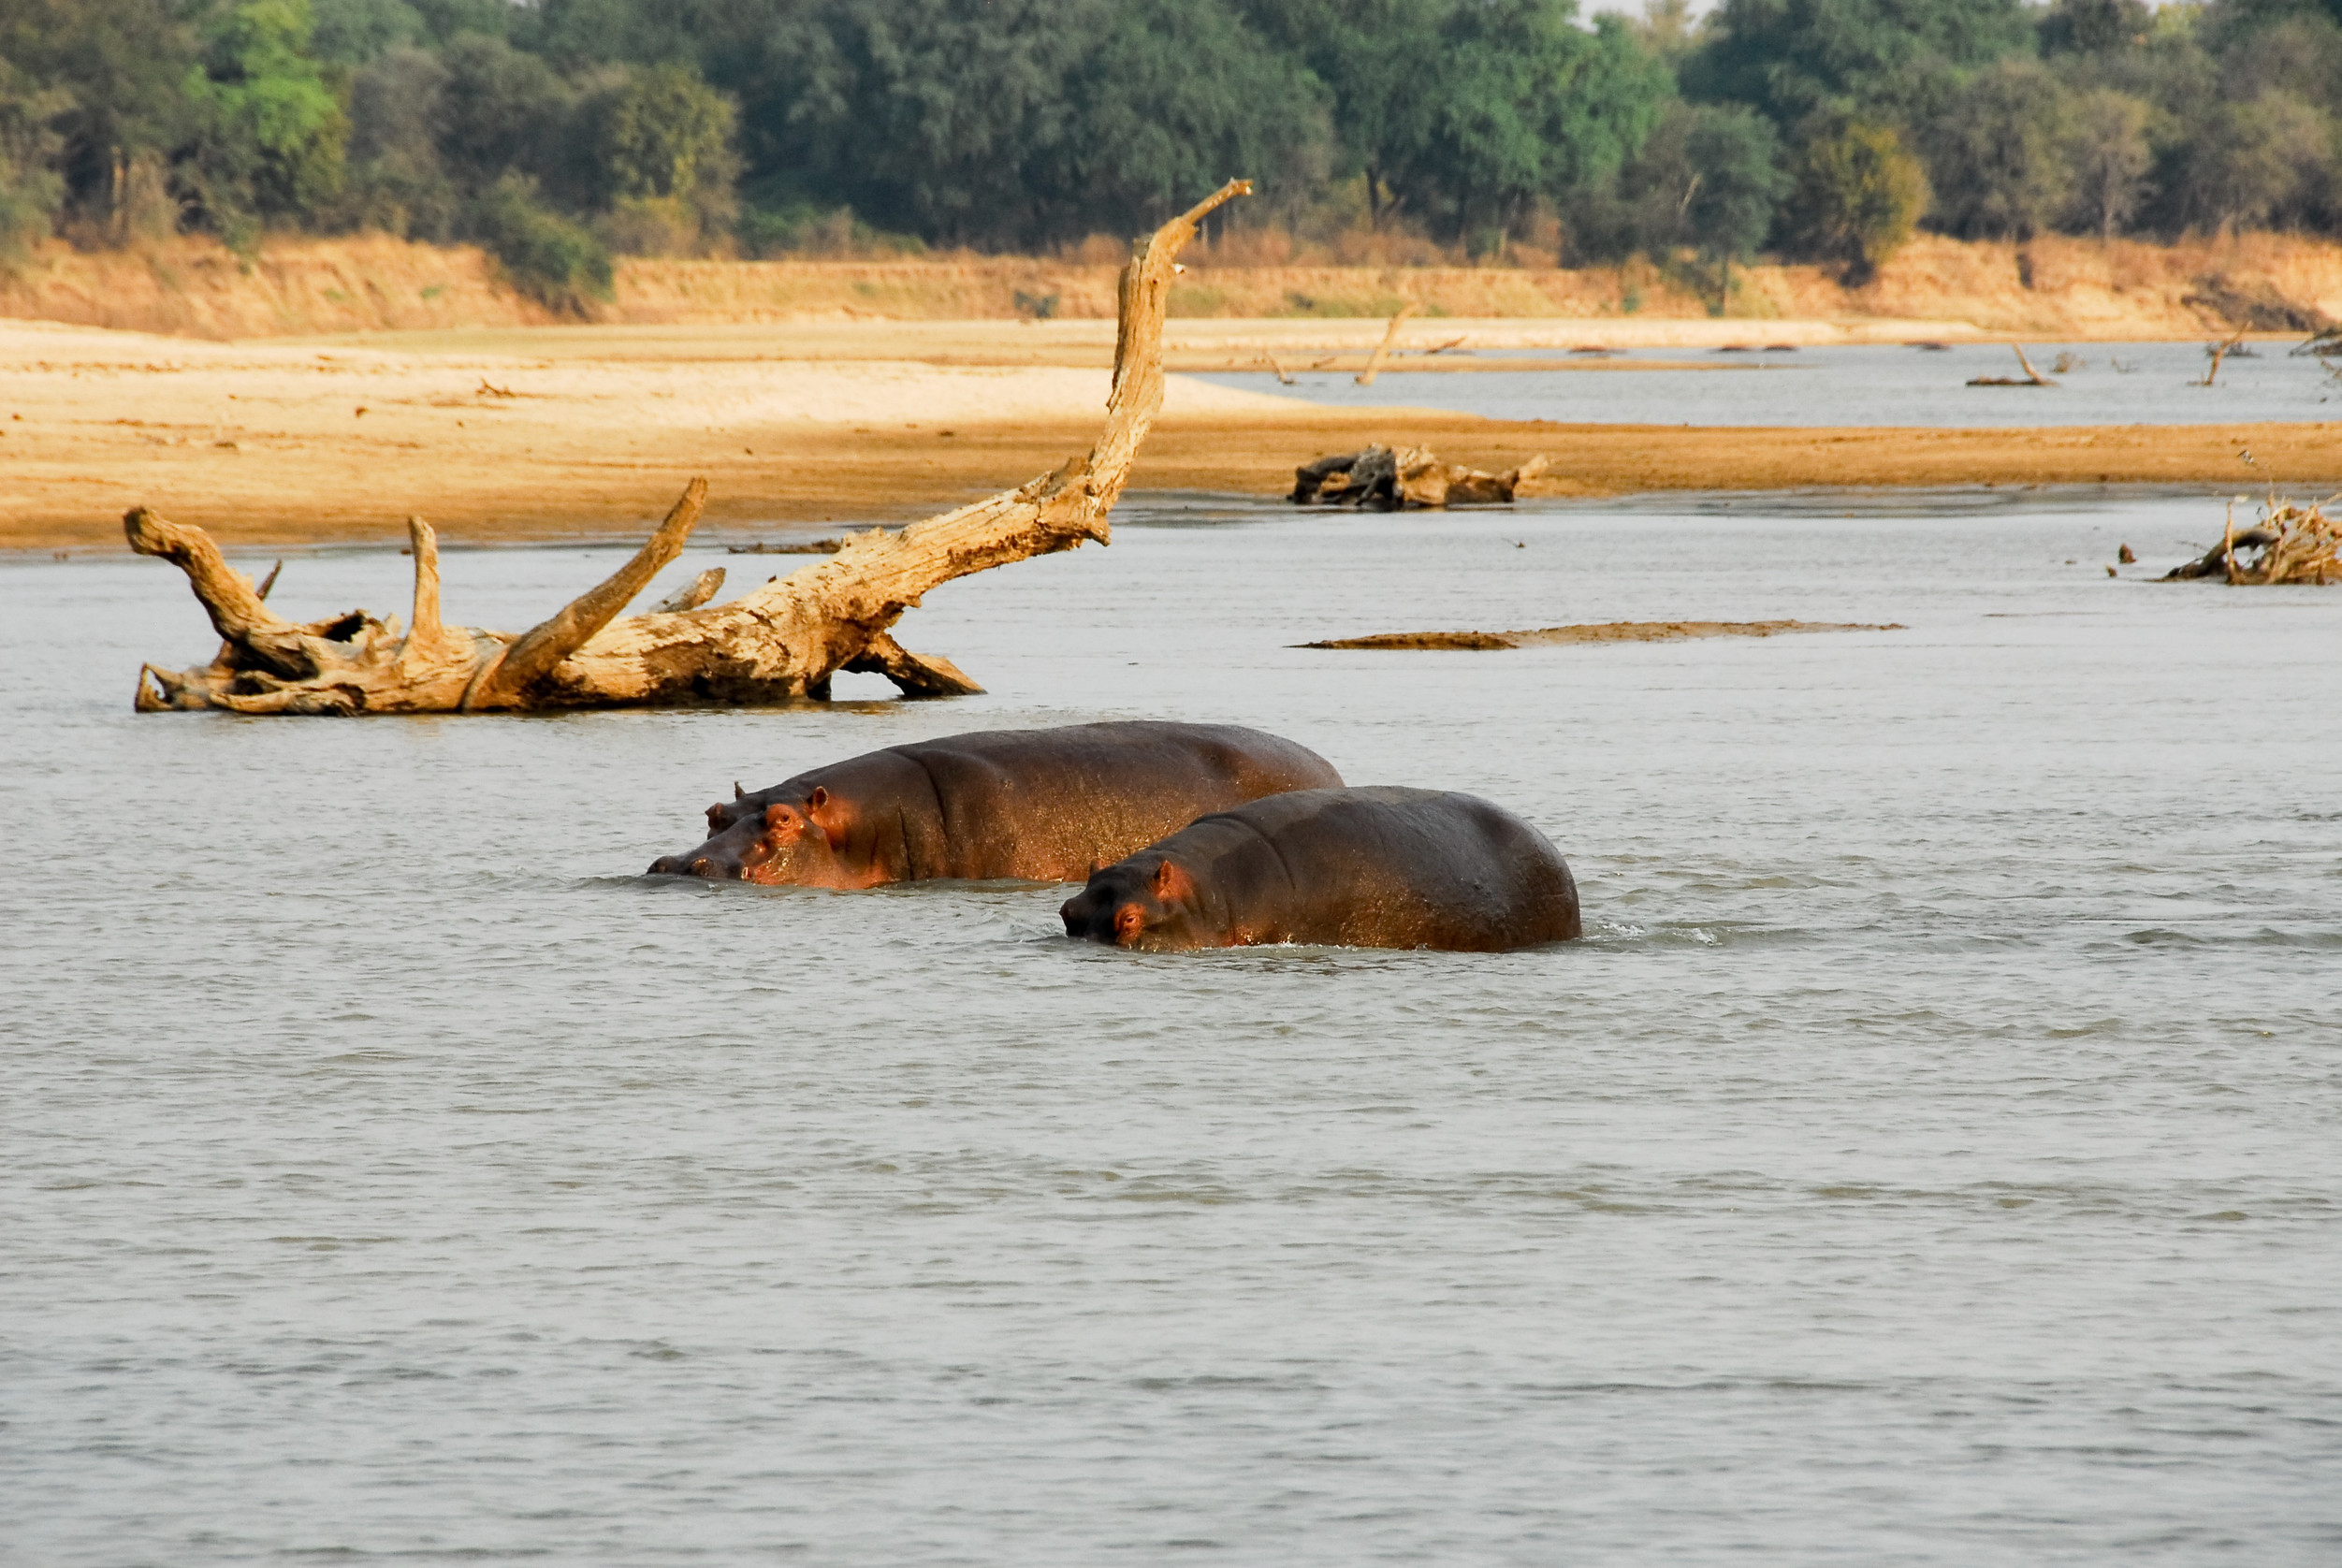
x=2291, y=544
x=784, y=640
x=2030, y=378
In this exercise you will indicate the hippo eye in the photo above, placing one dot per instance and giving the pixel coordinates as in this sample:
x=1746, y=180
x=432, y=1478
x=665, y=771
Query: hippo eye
x=1129, y=922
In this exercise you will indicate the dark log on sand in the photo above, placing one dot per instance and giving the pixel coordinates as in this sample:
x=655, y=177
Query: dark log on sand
x=785, y=640
x=1604, y=632
x=1380, y=479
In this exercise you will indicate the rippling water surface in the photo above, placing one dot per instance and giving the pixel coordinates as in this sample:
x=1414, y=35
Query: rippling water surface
x=2095, y=383
x=1932, y=1155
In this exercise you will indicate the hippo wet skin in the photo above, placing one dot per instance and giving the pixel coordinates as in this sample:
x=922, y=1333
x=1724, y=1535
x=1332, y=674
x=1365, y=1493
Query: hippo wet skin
x=1356, y=868
x=1044, y=804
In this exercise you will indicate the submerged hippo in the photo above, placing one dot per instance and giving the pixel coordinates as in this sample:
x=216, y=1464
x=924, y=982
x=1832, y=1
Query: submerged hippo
x=1047, y=805
x=1356, y=868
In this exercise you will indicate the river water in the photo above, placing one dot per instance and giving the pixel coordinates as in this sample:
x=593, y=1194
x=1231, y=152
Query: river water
x=1933, y=1156
x=2094, y=384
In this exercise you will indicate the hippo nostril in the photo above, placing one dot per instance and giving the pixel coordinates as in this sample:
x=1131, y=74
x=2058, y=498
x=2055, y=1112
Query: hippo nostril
x=702, y=866
x=665, y=865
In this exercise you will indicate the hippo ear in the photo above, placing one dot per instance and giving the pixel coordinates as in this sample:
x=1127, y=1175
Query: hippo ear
x=1172, y=883
x=715, y=820
x=827, y=812
x=784, y=823
x=737, y=793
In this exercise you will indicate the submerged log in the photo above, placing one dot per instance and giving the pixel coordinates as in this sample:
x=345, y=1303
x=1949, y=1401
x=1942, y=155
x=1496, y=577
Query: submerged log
x=1604, y=632
x=1382, y=479
x=2030, y=378
x=2290, y=544
x=782, y=641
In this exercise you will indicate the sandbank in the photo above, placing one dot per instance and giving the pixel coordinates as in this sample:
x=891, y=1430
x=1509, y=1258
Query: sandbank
x=514, y=434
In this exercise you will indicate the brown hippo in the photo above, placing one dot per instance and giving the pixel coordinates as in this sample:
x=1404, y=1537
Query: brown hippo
x=1356, y=868
x=1047, y=804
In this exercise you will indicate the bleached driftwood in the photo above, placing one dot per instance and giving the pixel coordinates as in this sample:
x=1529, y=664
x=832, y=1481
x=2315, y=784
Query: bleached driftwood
x=784, y=640
x=2290, y=544
x=1382, y=350
x=1383, y=479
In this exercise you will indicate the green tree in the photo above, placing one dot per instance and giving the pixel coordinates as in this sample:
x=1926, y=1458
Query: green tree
x=1738, y=183
x=1374, y=58
x=501, y=110
x=665, y=150
x=2109, y=157
x=31, y=189
x=1173, y=97
x=1527, y=105
x=2095, y=26
x=552, y=258
x=1793, y=57
x=125, y=65
x=1996, y=155
x=1856, y=195
x=398, y=182
x=2268, y=162
x=924, y=115
x=272, y=134
x=668, y=134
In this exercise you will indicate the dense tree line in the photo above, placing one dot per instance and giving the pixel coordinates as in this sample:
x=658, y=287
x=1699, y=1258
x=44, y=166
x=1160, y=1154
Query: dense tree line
x=559, y=131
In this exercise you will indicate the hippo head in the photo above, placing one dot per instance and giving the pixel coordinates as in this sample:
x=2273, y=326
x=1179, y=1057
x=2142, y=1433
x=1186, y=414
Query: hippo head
x=778, y=843
x=1148, y=901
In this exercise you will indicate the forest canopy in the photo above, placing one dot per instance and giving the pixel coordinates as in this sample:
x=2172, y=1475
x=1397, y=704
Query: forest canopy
x=556, y=133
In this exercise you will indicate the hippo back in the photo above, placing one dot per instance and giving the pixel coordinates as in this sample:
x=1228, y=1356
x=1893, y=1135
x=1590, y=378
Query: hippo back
x=1053, y=804
x=1047, y=805
x=1379, y=867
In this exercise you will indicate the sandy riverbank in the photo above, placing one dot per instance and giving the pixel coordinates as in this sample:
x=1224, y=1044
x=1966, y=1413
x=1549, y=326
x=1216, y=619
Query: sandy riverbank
x=563, y=433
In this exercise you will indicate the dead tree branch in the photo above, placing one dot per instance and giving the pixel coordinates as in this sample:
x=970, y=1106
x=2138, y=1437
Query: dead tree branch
x=2290, y=544
x=1382, y=350
x=784, y=640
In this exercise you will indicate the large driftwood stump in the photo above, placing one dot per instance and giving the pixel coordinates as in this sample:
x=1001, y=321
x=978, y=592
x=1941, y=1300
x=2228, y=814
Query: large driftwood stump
x=784, y=640
x=1380, y=479
x=2291, y=544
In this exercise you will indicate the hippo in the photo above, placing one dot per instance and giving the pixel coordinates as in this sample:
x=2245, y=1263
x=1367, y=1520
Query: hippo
x=1048, y=805
x=1359, y=868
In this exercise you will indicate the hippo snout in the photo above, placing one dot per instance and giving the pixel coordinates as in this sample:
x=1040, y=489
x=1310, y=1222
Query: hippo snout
x=696, y=865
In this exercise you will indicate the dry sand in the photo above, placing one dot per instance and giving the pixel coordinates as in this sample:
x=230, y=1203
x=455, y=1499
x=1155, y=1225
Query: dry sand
x=592, y=431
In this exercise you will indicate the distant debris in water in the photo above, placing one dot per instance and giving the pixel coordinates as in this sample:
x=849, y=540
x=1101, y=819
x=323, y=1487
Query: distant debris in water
x=2327, y=341
x=1384, y=479
x=802, y=547
x=2030, y=378
x=2126, y=558
x=2289, y=545
x=1781, y=348
x=1734, y=348
x=2067, y=363
x=1608, y=631
x=1931, y=346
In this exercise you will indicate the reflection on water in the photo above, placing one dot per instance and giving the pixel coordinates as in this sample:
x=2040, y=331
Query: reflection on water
x=2103, y=384
x=1930, y=1156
